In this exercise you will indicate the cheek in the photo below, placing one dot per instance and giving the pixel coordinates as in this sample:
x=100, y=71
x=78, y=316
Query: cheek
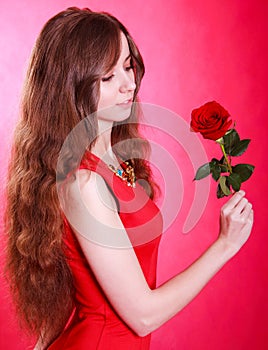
x=107, y=96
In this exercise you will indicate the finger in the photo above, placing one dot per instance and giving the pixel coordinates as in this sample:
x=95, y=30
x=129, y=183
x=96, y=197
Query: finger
x=247, y=211
x=235, y=199
x=251, y=215
x=241, y=205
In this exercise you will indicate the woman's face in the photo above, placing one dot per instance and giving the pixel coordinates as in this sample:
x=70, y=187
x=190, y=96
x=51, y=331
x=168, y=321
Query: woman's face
x=117, y=88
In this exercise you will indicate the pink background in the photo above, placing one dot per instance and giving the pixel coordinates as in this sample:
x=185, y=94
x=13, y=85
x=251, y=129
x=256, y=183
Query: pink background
x=194, y=51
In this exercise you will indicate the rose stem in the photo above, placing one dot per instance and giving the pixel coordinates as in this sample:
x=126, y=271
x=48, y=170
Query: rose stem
x=226, y=158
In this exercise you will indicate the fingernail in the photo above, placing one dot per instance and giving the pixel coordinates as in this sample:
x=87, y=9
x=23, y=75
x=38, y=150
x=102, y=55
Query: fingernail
x=242, y=192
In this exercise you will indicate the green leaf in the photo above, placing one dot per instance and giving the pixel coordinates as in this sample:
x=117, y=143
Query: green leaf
x=235, y=181
x=217, y=167
x=244, y=171
x=220, y=194
x=231, y=139
x=215, y=161
x=215, y=170
x=240, y=148
x=225, y=189
x=224, y=169
x=202, y=172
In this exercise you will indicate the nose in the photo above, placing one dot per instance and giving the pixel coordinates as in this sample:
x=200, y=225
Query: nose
x=128, y=82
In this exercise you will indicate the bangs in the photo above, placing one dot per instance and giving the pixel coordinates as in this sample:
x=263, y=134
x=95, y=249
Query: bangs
x=108, y=43
x=95, y=42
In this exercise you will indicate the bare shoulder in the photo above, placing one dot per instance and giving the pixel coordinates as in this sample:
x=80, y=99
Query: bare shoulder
x=92, y=211
x=90, y=188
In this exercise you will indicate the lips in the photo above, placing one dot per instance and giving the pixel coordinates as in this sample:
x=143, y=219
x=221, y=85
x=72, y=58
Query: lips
x=126, y=102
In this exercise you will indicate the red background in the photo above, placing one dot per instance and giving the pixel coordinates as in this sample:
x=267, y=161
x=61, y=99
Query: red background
x=194, y=51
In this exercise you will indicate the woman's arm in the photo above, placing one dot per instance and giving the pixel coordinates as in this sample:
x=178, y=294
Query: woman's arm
x=118, y=270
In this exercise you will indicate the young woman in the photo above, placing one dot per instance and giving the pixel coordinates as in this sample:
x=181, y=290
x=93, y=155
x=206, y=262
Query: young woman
x=83, y=230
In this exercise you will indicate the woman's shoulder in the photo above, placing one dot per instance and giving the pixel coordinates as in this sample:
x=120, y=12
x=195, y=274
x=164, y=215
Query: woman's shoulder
x=90, y=188
x=92, y=212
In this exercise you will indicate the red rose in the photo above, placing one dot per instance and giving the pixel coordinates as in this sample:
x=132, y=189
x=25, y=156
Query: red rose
x=211, y=120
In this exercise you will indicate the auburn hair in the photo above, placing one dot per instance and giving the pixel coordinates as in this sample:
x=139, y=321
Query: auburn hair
x=73, y=51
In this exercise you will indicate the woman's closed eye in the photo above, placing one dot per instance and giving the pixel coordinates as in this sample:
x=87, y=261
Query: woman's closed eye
x=129, y=67
x=110, y=77
x=107, y=78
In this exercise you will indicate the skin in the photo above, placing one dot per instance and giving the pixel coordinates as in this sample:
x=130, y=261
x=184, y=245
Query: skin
x=142, y=308
x=116, y=87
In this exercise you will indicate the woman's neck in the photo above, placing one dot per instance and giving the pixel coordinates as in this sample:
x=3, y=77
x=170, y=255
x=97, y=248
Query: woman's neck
x=103, y=148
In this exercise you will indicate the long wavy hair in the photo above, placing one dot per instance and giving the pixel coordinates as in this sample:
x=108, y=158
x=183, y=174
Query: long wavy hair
x=73, y=51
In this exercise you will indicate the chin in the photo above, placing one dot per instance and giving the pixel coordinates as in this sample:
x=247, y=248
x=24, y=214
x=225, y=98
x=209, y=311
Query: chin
x=123, y=115
x=115, y=114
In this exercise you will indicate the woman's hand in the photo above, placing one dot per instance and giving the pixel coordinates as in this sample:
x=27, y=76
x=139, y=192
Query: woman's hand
x=236, y=221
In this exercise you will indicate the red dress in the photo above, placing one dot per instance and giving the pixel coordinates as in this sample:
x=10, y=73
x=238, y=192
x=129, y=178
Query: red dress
x=95, y=324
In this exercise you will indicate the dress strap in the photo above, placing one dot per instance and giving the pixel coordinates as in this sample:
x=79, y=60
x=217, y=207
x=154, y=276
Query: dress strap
x=91, y=162
x=118, y=185
x=127, y=174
